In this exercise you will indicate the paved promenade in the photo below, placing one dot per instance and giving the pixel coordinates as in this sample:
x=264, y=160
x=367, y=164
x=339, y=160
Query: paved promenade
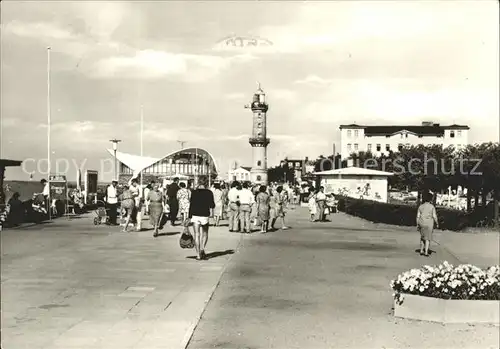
x=326, y=285
x=70, y=284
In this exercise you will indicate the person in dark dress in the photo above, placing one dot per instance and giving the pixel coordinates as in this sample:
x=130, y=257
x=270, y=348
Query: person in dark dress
x=173, y=203
x=16, y=210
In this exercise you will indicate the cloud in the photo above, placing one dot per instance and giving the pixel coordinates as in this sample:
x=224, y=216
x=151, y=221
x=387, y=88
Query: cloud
x=314, y=80
x=339, y=27
x=155, y=64
x=103, y=19
x=72, y=127
x=41, y=30
x=387, y=101
x=10, y=122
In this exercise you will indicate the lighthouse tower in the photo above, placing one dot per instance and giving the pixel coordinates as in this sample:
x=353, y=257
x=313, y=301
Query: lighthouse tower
x=259, y=140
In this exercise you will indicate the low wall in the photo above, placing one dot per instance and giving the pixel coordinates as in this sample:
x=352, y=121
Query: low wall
x=447, y=310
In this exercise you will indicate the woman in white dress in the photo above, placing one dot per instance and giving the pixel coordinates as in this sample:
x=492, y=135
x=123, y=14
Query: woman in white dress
x=219, y=204
x=313, y=207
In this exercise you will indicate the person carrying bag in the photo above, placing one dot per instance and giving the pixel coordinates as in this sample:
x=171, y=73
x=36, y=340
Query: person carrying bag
x=186, y=240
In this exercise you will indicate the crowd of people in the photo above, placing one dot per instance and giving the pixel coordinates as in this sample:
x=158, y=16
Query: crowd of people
x=40, y=205
x=244, y=205
x=321, y=204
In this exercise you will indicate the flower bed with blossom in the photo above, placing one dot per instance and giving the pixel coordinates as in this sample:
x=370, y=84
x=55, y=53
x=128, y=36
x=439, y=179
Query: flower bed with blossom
x=439, y=293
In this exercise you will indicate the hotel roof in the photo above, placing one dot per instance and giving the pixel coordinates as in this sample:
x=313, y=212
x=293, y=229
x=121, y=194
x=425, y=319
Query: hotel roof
x=139, y=163
x=354, y=171
x=421, y=130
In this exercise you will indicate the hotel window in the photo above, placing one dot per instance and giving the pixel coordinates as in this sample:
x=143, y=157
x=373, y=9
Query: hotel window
x=452, y=134
x=378, y=147
x=400, y=147
x=355, y=146
x=387, y=147
x=349, y=147
x=356, y=133
x=369, y=147
x=349, y=133
x=459, y=133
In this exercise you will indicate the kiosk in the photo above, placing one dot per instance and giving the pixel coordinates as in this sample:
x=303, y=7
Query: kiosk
x=90, y=196
x=58, y=193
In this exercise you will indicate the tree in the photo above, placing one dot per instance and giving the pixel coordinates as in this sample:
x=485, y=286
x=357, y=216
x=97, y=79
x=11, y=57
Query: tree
x=489, y=170
x=281, y=174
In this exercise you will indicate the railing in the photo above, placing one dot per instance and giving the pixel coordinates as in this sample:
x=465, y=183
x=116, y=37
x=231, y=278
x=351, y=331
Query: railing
x=258, y=140
x=259, y=106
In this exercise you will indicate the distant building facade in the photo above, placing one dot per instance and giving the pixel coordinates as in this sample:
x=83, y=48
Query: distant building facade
x=380, y=140
x=300, y=166
x=241, y=174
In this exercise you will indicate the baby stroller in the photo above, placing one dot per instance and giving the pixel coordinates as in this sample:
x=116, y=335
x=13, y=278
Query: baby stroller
x=101, y=213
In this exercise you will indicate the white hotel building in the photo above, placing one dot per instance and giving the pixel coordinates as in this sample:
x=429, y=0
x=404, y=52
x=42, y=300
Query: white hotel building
x=380, y=140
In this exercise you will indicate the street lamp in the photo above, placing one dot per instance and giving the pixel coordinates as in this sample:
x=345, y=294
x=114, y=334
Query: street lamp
x=115, y=146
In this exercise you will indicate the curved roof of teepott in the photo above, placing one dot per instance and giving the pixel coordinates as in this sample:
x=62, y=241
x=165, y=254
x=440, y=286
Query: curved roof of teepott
x=139, y=163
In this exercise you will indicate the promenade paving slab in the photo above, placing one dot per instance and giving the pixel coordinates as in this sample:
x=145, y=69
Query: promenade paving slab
x=326, y=285
x=70, y=284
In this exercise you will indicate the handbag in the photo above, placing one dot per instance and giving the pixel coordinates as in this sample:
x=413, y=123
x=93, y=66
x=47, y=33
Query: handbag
x=186, y=240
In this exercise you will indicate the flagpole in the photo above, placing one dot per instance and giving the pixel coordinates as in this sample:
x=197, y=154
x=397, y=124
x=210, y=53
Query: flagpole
x=142, y=140
x=49, y=167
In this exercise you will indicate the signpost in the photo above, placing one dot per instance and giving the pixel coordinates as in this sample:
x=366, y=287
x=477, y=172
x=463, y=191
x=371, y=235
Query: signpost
x=90, y=186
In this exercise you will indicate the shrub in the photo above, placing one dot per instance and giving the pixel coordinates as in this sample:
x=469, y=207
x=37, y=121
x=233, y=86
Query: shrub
x=399, y=214
x=448, y=282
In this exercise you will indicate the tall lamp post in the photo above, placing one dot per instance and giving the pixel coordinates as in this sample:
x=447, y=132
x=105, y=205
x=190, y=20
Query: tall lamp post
x=49, y=167
x=115, y=147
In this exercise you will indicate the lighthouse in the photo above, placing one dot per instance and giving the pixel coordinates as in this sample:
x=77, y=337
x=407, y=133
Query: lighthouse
x=259, y=140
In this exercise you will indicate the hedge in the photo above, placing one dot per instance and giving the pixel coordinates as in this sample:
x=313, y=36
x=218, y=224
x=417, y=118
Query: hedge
x=398, y=214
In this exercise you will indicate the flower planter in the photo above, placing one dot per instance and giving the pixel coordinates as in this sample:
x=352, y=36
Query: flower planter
x=447, y=310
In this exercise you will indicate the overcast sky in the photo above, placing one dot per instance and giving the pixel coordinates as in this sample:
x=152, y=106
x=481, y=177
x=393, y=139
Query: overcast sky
x=330, y=63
